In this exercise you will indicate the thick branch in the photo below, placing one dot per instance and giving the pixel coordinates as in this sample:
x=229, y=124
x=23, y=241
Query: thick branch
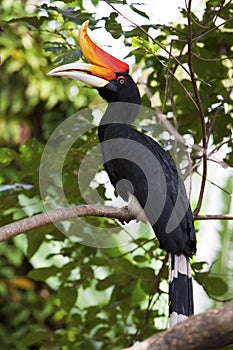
x=209, y=330
x=60, y=214
x=56, y=215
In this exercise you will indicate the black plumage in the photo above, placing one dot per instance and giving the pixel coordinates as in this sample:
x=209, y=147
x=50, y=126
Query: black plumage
x=151, y=173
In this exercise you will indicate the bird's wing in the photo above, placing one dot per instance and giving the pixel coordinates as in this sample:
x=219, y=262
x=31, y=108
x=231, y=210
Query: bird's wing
x=137, y=164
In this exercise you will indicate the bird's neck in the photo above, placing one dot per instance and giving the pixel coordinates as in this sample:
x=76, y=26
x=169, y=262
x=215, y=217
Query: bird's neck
x=118, y=112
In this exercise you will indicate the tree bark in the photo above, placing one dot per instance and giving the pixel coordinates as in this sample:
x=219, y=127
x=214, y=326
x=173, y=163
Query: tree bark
x=60, y=214
x=210, y=330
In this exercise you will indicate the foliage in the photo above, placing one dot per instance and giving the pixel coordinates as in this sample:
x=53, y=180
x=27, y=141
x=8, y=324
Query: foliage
x=57, y=293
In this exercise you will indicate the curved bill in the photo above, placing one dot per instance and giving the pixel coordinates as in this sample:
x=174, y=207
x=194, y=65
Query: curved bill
x=81, y=72
x=101, y=67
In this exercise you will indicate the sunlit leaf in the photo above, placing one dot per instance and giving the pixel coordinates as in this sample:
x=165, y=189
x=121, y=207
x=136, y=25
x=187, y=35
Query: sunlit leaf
x=7, y=155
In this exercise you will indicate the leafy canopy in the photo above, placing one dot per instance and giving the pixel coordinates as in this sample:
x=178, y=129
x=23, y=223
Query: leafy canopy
x=56, y=293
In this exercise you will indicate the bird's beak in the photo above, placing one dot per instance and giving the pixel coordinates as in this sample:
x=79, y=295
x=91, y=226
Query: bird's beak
x=100, y=70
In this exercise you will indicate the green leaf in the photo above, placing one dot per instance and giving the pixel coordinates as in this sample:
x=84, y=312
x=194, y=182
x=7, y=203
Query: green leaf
x=34, y=337
x=34, y=239
x=216, y=286
x=112, y=26
x=41, y=274
x=139, y=12
x=147, y=273
x=95, y=2
x=67, y=296
x=140, y=258
x=138, y=294
x=35, y=22
x=147, y=276
x=29, y=205
x=145, y=45
x=114, y=279
x=69, y=12
x=198, y=265
x=213, y=285
x=98, y=261
x=68, y=268
x=7, y=155
x=68, y=57
x=55, y=47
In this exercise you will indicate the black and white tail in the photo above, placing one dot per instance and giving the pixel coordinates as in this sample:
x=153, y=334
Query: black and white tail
x=180, y=289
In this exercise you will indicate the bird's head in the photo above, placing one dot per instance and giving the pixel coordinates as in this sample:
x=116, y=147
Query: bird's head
x=109, y=75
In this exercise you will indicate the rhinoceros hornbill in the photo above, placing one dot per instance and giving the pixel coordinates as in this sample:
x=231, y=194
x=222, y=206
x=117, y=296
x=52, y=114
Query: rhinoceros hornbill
x=138, y=167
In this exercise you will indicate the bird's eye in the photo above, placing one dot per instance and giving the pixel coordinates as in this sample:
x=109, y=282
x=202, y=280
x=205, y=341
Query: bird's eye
x=121, y=80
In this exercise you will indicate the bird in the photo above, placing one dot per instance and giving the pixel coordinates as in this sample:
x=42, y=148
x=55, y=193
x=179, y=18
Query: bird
x=142, y=173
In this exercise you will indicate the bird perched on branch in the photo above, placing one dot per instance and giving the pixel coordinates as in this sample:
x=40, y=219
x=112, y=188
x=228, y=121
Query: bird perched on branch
x=138, y=167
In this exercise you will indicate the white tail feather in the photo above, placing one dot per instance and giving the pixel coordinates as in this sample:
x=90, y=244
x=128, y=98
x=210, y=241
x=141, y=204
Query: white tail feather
x=180, y=289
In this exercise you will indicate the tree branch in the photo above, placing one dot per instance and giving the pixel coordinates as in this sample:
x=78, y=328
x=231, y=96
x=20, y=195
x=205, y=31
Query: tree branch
x=60, y=214
x=214, y=217
x=209, y=330
x=200, y=107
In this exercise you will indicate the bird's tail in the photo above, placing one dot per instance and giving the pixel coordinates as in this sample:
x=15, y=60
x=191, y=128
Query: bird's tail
x=180, y=289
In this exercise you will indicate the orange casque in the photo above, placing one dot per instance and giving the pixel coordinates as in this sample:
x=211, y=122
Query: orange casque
x=98, y=57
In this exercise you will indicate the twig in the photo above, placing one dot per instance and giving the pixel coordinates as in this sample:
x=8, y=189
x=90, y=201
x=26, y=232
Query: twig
x=216, y=114
x=219, y=10
x=196, y=39
x=216, y=185
x=165, y=122
x=167, y=78
x=155, y=287
x=200, y=108
x=214, y=217
x=224, y=142
x=169, y=126
x=212, y=59
x=148, y=35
